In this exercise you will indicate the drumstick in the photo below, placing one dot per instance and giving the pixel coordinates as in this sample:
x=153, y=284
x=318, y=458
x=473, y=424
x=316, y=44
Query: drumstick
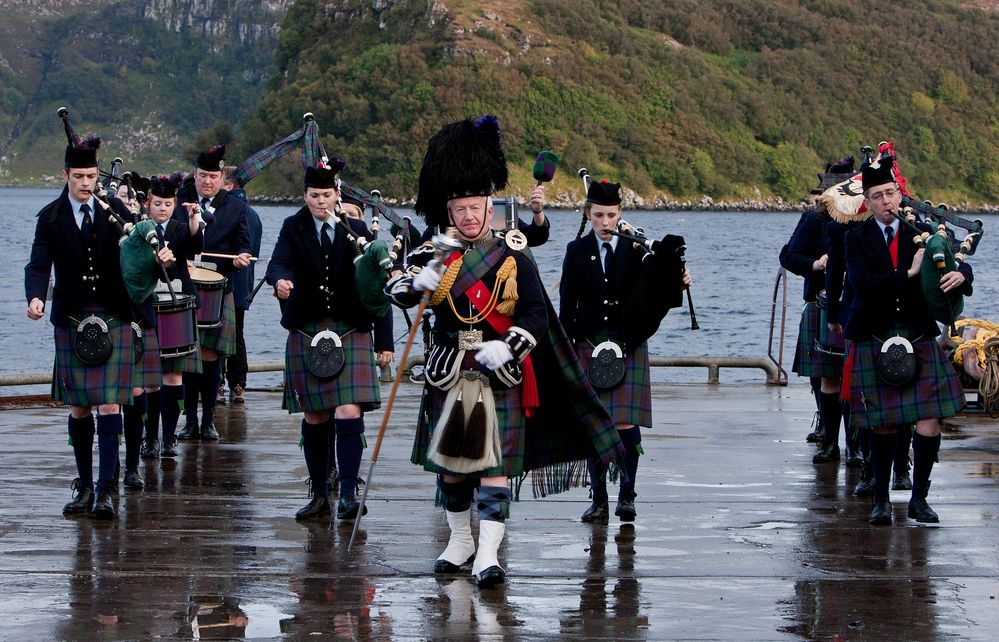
x=225, y=256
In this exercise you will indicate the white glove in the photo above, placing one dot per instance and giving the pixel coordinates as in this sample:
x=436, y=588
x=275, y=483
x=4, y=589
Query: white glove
x=493, y=354
x=428, y=279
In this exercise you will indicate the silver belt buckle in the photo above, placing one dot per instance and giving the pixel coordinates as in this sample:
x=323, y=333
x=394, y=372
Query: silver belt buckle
x=468, y=338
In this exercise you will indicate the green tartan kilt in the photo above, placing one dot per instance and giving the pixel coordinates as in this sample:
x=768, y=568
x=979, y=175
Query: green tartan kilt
x=936, y=393
x=223, y=338
x=148, y=372
x=630, y=402
x=809, y=362
x=188, y=363
x=357, y=383
x=76, y=384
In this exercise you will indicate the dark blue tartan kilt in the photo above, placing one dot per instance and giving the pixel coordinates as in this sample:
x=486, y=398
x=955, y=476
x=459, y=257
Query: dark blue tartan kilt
x=936, y=393
x=148, y=372
x=76, y=384
x=357, y=383
x=223, y=338
x=510, y=419
x=188, y=363
x=630, y=402
x=809, y=362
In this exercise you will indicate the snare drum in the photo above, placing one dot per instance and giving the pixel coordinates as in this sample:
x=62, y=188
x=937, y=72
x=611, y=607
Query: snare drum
x=211, y=291
x=176, y=324
x=828, y=341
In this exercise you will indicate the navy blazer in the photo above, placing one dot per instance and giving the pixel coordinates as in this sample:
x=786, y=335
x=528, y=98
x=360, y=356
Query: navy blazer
x=589, y=305
x=885, y=294
x=297, y=257
x=839, y=292
x=227, y=234
x=59, y=242
x=807, y=245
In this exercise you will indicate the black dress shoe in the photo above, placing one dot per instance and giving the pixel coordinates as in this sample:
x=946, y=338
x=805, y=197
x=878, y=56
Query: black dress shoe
x=103, y=506
x=132, y=479
x=826, y=454
x=317, y=507
x=490, y=577
x=597, y=512
x=150, y=449
x=442, y=567
x=208, y=432
x=853, y=458
x=189, y=432
x=880, y=514
x=347, y=508
x=864, y=488
x=626, y=510
x=920, y=511
x=817, y=435
x=169, y=449
x=83, y=499
x=901, y=481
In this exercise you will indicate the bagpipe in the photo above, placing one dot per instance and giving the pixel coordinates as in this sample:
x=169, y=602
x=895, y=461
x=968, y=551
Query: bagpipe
x=660, y=283
x=137, y=240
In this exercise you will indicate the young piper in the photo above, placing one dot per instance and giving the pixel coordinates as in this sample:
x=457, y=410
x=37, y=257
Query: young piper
x=185, y=235
x=598, y=275
x=329, y=361
x=91, y=312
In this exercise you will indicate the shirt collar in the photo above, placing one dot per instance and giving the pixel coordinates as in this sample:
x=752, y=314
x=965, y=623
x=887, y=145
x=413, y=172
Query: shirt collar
x=76, y=205
x=319, y=224
x=600, y=242
x=893, y=225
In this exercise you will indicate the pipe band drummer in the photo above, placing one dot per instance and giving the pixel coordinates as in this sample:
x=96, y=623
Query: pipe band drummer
x=330, y=372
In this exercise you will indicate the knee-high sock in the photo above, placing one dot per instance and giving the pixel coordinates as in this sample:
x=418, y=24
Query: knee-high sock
x=882, y=453
x=852, y=438
x=349, y=445
x=108, y=429
x=331, y=447
x=831, y=410
x=924, y=451
x=598, y=479
x=209, y=390
x=192, y=390
x=81, y=432
x=152, y=423
x=903, y=438
x=494, y=503
x=170, y=409
x=457, y=495
x=632, y=440
x=315, y=451
x=816, y=385
x=133, y=425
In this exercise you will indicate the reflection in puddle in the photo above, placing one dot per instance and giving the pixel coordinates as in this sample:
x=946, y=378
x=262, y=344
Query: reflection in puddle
x=220, y=617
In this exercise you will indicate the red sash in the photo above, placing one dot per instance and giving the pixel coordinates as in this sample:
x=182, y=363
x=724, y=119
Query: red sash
x=501, y=323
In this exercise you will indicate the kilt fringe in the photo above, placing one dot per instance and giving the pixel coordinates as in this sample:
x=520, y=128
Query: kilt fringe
x=558, y=478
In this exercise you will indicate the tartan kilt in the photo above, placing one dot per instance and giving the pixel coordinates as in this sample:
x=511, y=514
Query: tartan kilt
x=809, y=362
x=223, y=338
x=148, y=372
x=630, y=402
x=357, y=383
x=936, y=393
x=76, y=384
x=509, y=417
x=188, y=363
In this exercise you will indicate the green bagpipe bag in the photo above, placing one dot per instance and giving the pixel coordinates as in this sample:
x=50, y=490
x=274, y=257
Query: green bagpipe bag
x=138, y=263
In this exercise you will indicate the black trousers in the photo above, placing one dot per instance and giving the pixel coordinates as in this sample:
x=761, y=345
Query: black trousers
x=235, y=364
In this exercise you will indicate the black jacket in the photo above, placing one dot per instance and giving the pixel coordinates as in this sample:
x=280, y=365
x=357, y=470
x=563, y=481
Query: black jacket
x=807, y=245
x=59, y=242
x=588, y=305
x=227, y=234
x=885, y=294
x=297, y=258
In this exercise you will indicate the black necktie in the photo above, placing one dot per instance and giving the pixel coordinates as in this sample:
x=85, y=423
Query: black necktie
x=889, y=234
x=204, y=203
x=160, y=234
x=608, y=257
x=325, y=240
x=87, y=226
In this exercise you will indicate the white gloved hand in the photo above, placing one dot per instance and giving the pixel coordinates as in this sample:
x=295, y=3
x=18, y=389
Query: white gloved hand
x=493, y=354
x=428, y=279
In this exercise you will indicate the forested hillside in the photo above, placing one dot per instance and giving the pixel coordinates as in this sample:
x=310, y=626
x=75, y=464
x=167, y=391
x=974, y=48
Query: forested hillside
x=681, y=98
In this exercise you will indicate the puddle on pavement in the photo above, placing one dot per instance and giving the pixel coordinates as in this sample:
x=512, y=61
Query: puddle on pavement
x=213, y=617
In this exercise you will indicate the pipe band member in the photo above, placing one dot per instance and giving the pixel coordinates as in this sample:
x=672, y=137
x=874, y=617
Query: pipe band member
x=183, y=234
x=495, y=355
x=330, y=372
x=890, y=311
x=92, y=313
x=226, y=232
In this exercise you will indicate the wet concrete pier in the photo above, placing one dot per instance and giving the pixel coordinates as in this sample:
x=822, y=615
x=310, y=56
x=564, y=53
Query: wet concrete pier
x=739, y=536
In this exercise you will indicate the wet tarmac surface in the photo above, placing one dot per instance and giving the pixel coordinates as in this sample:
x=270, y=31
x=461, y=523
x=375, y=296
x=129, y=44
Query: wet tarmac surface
x=739, y=536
